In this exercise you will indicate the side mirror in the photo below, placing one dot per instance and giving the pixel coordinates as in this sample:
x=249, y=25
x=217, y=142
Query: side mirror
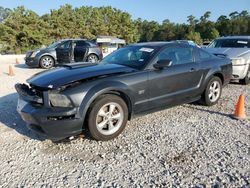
x=161, y=64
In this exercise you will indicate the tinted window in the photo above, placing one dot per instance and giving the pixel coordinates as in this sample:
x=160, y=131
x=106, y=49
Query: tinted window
x=65, y=44
x=177, y=55
x=204, y=55
x=81, y=43
x=230, y=43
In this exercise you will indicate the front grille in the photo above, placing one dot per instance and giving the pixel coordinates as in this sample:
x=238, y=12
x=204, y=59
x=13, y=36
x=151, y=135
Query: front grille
x=29, y=93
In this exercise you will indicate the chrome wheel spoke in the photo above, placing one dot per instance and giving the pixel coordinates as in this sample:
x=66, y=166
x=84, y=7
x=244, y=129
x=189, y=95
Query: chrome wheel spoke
x=102, y=113
x=110, y=125
x=116, y=116
x=213, y=96
x=217, y=90
x=111, y=109
x=215, y=85
x=210, y=95
x=102, y=124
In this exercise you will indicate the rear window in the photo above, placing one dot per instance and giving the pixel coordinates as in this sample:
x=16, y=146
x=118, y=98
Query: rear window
x=230, y=43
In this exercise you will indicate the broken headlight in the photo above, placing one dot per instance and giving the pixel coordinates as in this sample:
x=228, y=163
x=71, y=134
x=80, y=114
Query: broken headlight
x=59, y=100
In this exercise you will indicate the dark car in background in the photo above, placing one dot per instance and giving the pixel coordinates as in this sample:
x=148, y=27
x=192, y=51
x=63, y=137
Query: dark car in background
x=131, y=81
x=64, y=51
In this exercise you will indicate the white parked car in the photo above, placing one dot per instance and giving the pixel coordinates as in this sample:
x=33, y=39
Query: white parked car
x=237, y=48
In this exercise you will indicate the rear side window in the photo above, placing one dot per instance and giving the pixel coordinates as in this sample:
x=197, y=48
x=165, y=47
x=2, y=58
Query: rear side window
x=204, y=55
x=231, y=43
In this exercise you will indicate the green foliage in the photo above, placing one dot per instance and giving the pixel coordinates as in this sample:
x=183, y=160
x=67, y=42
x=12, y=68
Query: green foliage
x=147, y=29
x=197, y=29
x=22, y=29
x=194, y=36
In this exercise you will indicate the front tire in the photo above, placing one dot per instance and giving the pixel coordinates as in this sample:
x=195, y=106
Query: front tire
x=212, y=92
x=107, y=117
x=46, y=62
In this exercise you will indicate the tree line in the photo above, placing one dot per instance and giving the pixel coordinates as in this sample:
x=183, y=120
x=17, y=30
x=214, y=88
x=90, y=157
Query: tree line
x=22, y=29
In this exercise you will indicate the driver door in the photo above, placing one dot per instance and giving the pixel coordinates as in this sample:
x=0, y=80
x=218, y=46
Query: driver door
x=176, y=83
x=64, y=52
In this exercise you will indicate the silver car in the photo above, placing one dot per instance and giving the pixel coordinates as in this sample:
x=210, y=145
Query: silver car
x=237, y=48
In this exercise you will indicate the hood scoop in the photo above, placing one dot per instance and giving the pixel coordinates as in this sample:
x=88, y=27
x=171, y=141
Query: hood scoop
x=79, y=65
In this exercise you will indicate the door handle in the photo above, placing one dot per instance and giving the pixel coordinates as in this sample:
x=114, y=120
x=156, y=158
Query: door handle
x=192, y=70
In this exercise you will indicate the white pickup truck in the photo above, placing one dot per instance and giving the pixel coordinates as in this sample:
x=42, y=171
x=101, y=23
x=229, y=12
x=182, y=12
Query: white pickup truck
x=237, y=48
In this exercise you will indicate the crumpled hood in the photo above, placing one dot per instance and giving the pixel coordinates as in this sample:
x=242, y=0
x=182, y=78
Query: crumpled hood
x=230, y=52
x=74, y=72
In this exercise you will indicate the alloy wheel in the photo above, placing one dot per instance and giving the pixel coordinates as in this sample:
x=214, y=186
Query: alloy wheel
x=214, y=91
x=92, y=59
x=47, y=62
x=109, y=118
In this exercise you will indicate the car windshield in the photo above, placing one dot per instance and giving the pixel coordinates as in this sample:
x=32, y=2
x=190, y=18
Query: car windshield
x=230, y=43
x=131, y=56
x=55, y=44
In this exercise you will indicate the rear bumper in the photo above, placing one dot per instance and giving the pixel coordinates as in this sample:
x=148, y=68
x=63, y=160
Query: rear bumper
x=56, y=123
x=240, y=71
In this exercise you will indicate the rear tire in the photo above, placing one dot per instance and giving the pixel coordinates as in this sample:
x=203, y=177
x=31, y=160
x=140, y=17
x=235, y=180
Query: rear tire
x=212, y=92
x=92, y=58
x=246, y=80
x=107, y=118
x=46, y=62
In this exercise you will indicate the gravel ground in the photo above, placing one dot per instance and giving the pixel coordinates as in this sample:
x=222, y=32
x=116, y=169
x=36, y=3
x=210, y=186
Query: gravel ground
x=186, y=146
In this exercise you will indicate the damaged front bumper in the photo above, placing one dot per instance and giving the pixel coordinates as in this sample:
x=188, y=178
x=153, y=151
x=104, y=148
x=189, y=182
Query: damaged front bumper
x=55, y=122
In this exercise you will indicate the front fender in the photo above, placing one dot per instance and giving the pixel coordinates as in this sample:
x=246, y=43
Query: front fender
x=52, y=54
x=102, y=88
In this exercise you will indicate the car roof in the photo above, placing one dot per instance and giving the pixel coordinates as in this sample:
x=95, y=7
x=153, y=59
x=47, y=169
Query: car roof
x=158, y=44
x=92, y=43
x=235, y=37
x=75, y=40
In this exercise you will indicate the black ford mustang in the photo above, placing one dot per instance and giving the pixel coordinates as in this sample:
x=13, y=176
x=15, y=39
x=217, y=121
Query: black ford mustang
x=133, y=80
